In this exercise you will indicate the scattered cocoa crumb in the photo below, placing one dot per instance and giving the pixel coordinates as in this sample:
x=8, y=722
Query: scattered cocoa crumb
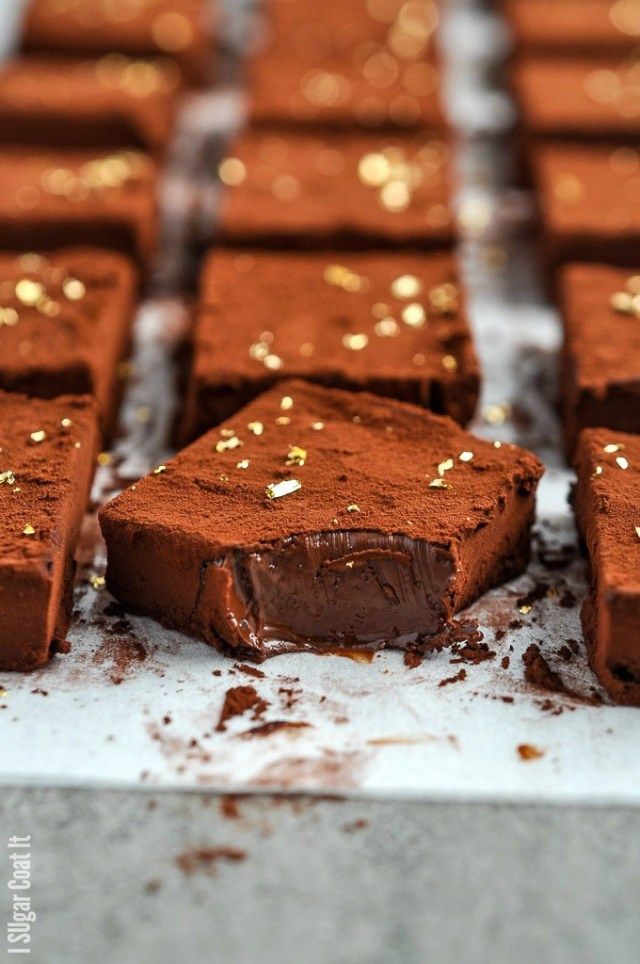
x=412, y=658
x=274, y=726
x=567, y=599
x=460, y=675
x=538, y=672
x=239, y=700
x=528, y=752
x=205, y=859
x=516, y=624
x=124, y=652
x=565, y=653
x=229, y=807
x=505, y=661
x=216, y=672
x=40, y=692
x=152, y=887
x=355, y=825
x=249, y=670
x=500, y=634
x=473, y=651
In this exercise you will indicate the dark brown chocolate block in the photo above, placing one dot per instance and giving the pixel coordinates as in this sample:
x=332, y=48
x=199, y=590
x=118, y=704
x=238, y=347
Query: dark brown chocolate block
x=601, y=358
x=394, y=324
x=573, y=26
x=607, y=502
x=65, y=324
x=47, y=458
x=318, y=518
x=579, y=99
x=337, y=64
x=50, y=199
x=589, y=199
x=180, y=29
x=110, y=102
x=360, y=190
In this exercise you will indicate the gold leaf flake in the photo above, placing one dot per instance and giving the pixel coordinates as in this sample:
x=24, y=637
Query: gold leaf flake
x=406, y=286
x=37, y=437
x=29, y=292
x=276, y=490
x=317, y=426
x=445, y=466
x=449, y=363
x=159, y=469
x=98, y=582
x=296, y=455
x=228, y=444
x=466, y=456
x=341, y=277
x=353, y=507
x=283, y=420
x=7, y=478
x=387, y=328
x=496, y=414
x=256, y=428
x=243, y=464
x=232, y=171
x=104, y=458
x=613, y=447
x=525, y=610
x=273, y=362
x=622, y=463
x=286, y=403
x=355, y=342
x=66, y=423
x=439, y=484
x=374, y=169
x=73, y=289
x=414, y=315
x=597, y=471
x=637, y=528
x=28, y=530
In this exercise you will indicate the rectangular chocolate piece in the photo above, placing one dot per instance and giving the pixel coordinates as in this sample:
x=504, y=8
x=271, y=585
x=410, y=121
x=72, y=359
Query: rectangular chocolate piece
x=180, y=29
x=578, y=99
x=50, y=199
x=47, y=458
x=337, y=64
x=110, y=102
x=589, y=200
x=65, y=324
x=572, y=27
x=601, y=356
x=317, y=518
x=394, y=324
x=331, y=190
x=607, y=504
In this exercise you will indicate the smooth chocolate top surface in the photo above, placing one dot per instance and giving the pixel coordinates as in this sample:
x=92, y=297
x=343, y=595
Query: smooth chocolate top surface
x=339, y=63
x=363, y=315
x=592, y=191
x=369, y=464
x=62, y=310
x=143, y=91
x=319, y=186
x=181, y=29
x=578, y=95
x=608, y=464
x=42, y=444
x=574, y=25
x=601, y=317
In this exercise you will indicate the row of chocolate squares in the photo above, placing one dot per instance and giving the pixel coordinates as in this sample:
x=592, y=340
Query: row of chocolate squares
x=394, y=323
x=314, y=519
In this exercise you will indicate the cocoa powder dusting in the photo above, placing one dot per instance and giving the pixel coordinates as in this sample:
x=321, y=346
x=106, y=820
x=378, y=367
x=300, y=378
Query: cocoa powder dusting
x=239, y=700
x=206, y=859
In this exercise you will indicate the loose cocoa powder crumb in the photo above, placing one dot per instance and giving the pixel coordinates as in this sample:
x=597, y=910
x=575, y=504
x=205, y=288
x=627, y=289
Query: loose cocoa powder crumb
x=504, y=662
x=460, y=675
x=249, y=670
x=412, y=658
x=528, y=752
x=538, y=672
x=124, y=652
x=355, y=825
x=473, y=651
x=205, y=859
x=239, y=700
x=229, y=807
x=273, y=726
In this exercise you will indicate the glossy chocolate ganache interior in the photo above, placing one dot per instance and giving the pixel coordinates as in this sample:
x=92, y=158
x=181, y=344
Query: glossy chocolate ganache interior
x=340, y=588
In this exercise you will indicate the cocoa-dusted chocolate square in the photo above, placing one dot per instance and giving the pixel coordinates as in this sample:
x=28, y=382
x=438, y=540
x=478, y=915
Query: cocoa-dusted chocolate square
x=589, y=200
x=359, y=190
x=114, y=101
x=47, y=458
x=49, y=199
x=183, y=30
x=391, y=323
x=338, y=64
x=607, y=502
x=65, y=324
x=573, y=26
x=601, y=357
x=582, y=99
x=317, y=518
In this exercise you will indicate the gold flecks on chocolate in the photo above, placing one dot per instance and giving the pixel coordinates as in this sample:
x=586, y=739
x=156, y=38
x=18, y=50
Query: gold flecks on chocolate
x=450, y=363
x=243, y=464
x=97, y=582
x=525, y=609
x=143, y=414
x=568, y=188
x=355, y=341
x=232, y=171
x=256, y=428
x=172, y=31
x=597, y=471
x=353, y=507
x=613, y=447
x=8, y=317
x=159, y=469
x=496, y=414
x=445, y=466
x=283, y=420
x=37, y=437
x=7, y=478
x=223, y=478
x=406, y=286
x=286, y=403
x=439, y=483
x=74, y=289
x=466, y=456
x=622, y=463
x=259, y=350
x=341, y=277
x=296, y=455
x=104, y=458
x=276, y=490
x=637, y=528
x=227, y=432
x=444, y=298
x=419, y=360
x=414, y=315
x=387, y=327
x=374, y=169
x=286, y=187
x=29, y=292
x=273, y=362
x=28, y=530
x=228, y=444
x=306, y=349
x=317, y=426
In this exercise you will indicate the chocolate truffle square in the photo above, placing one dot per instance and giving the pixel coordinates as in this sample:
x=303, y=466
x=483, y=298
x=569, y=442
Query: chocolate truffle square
x=47, y=457
x=601, y=357
x=322, y=190
x=569, y=27
x=337, y=64
x=50, y=199
x=589, y=200
x=607, y=503
x=111, y=102
x=65, y=324
x=317, y=518
x=394, y=324
x=180, y=29
x=578, y=99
